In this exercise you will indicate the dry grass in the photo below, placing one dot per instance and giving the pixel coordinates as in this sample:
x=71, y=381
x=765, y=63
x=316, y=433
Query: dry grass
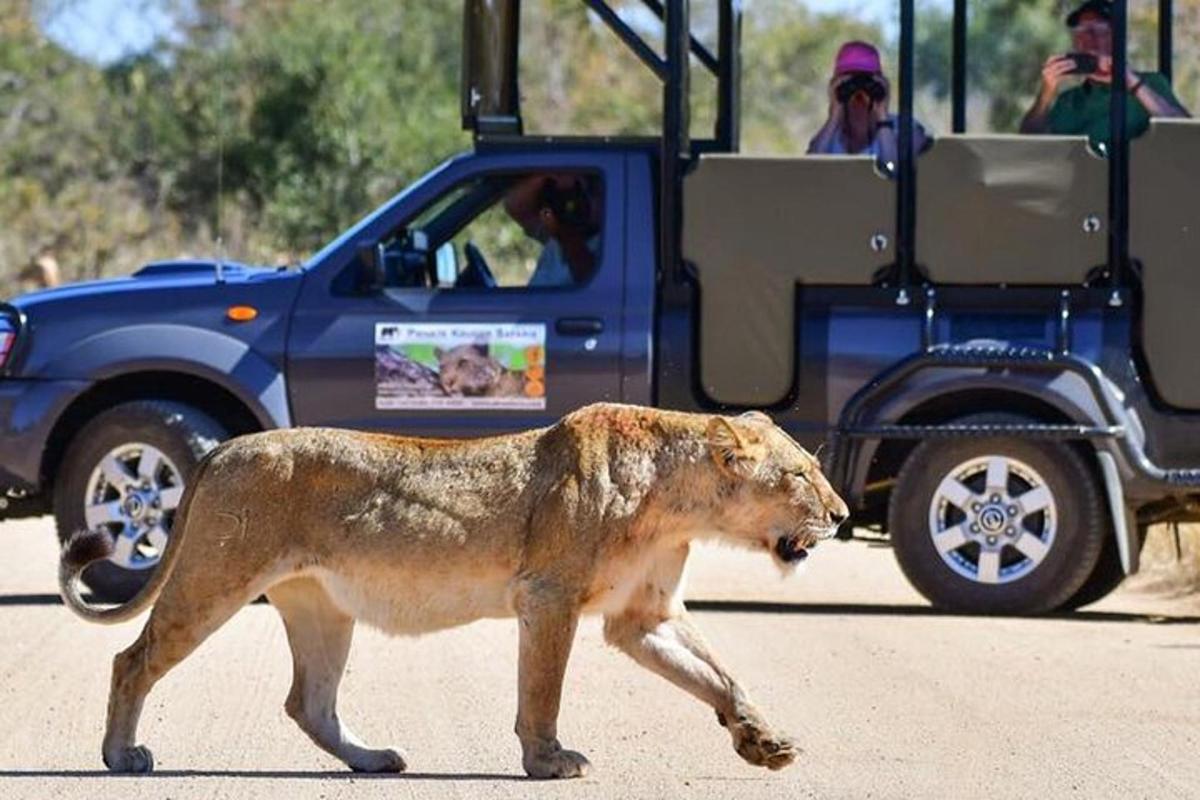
x=1170, y=565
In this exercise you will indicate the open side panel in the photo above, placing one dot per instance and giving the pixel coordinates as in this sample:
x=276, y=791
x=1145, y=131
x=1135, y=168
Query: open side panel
x=1011, y=209
x=1164, y=235
x=754, y=228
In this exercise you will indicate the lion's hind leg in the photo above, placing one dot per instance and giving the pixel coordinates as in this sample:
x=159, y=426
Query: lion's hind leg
x=319, y=634
x=179, y=623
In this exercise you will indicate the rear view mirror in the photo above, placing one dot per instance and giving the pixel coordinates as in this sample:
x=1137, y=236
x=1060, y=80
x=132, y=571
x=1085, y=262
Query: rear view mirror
x=491, y=31
x=370, y=267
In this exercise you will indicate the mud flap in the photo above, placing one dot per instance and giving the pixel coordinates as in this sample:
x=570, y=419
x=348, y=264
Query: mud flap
x=1123, y=527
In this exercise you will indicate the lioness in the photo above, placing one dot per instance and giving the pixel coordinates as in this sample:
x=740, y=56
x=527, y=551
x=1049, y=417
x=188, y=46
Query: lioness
x=592, y=515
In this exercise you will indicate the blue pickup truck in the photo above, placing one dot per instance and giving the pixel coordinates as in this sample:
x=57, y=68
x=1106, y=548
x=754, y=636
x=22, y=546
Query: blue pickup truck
x=984, y=336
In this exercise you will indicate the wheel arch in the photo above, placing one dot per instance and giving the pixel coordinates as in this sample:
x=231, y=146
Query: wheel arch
x=891, y=453
x=232, y=411
x=874, y=464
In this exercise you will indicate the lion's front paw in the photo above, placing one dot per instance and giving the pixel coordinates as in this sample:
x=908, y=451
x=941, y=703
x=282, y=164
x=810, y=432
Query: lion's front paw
x=130, y=759
x=378, y=761
x=554, y=762
x=762, y=747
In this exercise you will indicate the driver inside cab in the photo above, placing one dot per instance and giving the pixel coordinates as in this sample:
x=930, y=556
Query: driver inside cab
x=561, y=212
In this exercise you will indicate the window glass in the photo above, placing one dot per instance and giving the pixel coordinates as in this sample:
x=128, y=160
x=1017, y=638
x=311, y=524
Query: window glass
x=507, y=231
x=508, y=253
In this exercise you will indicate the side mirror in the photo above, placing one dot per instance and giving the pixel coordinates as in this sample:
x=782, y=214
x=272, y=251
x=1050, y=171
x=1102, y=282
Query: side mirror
x=371, y=276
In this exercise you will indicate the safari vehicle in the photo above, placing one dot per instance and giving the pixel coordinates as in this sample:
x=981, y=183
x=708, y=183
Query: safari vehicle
x=989, y=339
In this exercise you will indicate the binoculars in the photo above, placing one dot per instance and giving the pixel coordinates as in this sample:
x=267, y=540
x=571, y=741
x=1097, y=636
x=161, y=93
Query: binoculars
x=861, y=82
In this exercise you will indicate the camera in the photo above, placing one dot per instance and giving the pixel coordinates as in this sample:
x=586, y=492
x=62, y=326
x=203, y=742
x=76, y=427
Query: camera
x=1085, y=63
x=861, y=82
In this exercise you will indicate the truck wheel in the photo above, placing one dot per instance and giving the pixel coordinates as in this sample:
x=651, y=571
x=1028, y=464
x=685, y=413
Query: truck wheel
x=124, y=473
x=1105, y=578
x=997, y=525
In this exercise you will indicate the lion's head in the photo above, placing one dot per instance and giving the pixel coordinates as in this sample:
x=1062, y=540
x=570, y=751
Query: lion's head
x=776, y=497
x=467, y=370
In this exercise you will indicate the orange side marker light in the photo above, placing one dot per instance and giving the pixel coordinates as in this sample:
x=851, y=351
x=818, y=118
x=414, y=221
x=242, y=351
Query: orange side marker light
x=241, y=313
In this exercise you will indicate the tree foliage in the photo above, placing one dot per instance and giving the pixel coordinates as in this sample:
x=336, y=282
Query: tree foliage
x=276, y=123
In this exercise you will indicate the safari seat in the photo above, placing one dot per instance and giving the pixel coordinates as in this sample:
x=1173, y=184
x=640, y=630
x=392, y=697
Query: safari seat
x=754, y=228
x=1011, y=209
x=1164, y=235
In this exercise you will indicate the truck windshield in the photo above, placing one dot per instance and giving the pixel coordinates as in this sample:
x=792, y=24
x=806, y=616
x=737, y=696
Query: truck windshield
x=355, y=232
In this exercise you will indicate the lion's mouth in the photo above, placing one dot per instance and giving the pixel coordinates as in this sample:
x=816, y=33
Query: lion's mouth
x=790, y=549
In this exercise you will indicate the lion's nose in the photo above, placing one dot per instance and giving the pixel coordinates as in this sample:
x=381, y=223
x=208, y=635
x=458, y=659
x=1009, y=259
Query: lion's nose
x=839, y=516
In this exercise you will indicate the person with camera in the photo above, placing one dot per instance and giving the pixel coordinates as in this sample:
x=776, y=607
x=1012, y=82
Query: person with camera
x=1084, y=109
x=859, y=122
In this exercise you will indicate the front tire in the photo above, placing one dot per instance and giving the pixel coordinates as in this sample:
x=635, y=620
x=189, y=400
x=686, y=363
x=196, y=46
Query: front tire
x=125, y=472
x=997, y=525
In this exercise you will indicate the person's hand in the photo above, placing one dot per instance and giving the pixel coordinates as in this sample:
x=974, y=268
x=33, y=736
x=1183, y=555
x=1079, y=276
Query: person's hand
x=1103, y=73
x=1053, y=71
x=879, y=110
x=836, y=108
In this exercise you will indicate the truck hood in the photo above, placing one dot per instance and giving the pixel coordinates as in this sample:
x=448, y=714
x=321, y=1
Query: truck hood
x=156, y=276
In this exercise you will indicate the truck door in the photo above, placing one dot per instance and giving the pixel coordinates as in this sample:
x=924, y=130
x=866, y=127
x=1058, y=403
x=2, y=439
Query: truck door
x=500, y=306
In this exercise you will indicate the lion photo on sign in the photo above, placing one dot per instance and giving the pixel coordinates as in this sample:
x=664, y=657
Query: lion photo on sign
x=592, y=515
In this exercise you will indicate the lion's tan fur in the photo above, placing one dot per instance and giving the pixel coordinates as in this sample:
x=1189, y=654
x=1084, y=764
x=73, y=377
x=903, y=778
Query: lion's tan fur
x=594, y=514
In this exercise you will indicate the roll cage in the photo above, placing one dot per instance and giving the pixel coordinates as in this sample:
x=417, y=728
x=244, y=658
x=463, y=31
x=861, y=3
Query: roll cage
x=490, y=102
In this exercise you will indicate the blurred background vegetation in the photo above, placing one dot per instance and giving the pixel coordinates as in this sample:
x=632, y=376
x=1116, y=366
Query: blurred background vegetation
x=276, y=124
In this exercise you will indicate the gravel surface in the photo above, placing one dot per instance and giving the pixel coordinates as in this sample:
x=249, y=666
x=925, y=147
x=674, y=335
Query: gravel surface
x=887, y=698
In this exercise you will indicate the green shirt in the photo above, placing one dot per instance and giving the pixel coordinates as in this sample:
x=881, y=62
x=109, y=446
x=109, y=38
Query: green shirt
x=1084, y=109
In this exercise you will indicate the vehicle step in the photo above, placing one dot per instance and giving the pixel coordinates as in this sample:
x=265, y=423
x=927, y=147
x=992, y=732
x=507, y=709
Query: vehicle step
x=1182, y=477
x=985, y=355
x=985, y=430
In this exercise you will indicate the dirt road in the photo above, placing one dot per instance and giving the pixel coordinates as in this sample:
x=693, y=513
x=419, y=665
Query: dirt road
x=887, y=698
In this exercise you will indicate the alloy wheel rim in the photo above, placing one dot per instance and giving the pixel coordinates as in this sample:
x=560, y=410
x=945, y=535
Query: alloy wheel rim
x=132, y=495
x=993, y=519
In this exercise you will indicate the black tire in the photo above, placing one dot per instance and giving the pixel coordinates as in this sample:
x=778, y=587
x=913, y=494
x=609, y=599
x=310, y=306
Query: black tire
x=1105, y=578
x=1082, y=526
x=182, y=433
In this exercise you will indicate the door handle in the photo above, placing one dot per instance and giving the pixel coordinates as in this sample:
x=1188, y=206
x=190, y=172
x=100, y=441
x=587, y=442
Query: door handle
x=579, y=326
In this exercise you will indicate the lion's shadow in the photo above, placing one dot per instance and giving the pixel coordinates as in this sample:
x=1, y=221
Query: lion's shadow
x=265, y=774
x=896, y=610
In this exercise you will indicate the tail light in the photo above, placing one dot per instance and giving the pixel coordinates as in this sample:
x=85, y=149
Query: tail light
x=8, y=338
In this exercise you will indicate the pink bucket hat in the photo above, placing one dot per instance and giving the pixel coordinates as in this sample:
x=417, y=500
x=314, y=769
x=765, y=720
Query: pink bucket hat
x=856, y=57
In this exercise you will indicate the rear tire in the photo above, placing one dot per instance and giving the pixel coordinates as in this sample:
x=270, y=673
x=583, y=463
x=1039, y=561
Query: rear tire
x=125, y=471
x=985, y=554
x=1105, y=578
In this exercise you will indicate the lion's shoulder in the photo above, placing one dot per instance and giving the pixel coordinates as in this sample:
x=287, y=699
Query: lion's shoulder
x=607, y=438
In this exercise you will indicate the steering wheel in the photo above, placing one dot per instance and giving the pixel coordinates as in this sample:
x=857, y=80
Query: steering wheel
x=476, y=274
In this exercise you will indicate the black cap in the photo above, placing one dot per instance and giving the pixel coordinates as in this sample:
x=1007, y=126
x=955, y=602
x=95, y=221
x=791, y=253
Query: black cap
x=1101, y=8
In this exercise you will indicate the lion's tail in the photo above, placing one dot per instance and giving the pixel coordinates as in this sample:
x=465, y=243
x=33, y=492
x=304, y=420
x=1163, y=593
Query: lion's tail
x=86, y=547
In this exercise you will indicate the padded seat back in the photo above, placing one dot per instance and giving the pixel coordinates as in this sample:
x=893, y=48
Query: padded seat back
x=1164, y=234
x=754, y=228
x=1011, y=209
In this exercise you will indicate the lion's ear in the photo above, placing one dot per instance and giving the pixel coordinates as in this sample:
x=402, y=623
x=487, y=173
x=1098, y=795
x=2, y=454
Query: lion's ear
x=733, y=450
x=756, y=416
